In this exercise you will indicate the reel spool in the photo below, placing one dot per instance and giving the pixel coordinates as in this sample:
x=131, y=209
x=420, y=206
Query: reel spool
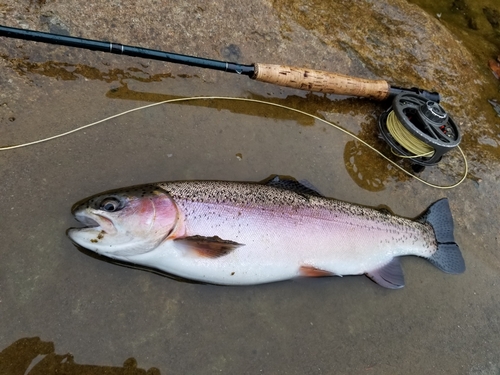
x=419, y=129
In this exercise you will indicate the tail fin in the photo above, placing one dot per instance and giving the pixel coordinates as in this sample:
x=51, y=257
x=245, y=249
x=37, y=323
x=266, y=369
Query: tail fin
x=448, y=257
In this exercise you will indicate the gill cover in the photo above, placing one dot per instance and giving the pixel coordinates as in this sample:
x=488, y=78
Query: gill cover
x=125, y=222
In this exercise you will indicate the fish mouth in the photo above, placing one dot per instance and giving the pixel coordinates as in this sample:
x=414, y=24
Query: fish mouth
x=94, y=222
x=94, y=228
x=87, y=221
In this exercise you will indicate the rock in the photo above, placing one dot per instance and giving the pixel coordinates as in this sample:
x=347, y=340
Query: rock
x=390, y=39
x=493, y=17
x=54, y=23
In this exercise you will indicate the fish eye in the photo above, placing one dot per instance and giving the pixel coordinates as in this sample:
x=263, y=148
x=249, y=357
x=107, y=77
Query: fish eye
x=110, y=205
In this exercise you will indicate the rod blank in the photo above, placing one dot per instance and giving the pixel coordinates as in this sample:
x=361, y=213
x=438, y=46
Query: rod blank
x=121, y=49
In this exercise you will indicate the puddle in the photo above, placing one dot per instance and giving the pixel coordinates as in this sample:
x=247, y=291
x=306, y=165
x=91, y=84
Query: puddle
x=31, y=356
x=70, y=72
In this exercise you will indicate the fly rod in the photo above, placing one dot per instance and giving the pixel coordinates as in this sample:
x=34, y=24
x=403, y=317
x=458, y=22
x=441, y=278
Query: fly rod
x=282, y=75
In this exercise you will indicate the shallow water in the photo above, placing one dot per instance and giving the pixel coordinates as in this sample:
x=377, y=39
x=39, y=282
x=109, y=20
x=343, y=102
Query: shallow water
x=112, y=319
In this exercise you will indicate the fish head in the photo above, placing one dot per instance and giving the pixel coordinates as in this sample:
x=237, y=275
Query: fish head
x=125, y=222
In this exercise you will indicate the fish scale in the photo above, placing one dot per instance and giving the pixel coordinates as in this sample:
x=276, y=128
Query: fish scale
x=287, y=202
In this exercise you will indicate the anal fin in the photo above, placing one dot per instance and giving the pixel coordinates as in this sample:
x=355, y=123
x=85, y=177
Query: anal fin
x=389, y=276
x=311, y=271
x=208, y=247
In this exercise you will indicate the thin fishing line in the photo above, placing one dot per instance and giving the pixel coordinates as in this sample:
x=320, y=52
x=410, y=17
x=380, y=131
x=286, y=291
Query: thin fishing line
x=252, y=101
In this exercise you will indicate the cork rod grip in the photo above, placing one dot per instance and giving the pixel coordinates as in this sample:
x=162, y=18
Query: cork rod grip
x=317, y=80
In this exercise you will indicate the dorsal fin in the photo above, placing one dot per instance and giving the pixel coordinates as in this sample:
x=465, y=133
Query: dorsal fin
x=383, y=209
x=290, y=183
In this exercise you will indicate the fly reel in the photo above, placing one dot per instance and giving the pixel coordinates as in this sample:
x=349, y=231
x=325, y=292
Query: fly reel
x=419, y=129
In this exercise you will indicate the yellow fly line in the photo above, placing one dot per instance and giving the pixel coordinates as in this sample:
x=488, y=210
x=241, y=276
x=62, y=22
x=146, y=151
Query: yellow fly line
x=397, y=130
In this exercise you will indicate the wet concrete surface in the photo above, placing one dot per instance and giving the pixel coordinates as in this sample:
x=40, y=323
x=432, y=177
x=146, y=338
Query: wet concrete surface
x=104, y=314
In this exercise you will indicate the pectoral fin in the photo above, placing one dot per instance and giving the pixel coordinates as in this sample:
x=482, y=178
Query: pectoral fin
x=209, y=247
x=389, y=276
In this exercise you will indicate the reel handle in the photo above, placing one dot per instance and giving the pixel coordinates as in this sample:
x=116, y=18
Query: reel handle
x=321, y=81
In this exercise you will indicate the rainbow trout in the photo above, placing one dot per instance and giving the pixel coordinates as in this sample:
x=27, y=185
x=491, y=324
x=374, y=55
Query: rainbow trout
x=233, y=233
